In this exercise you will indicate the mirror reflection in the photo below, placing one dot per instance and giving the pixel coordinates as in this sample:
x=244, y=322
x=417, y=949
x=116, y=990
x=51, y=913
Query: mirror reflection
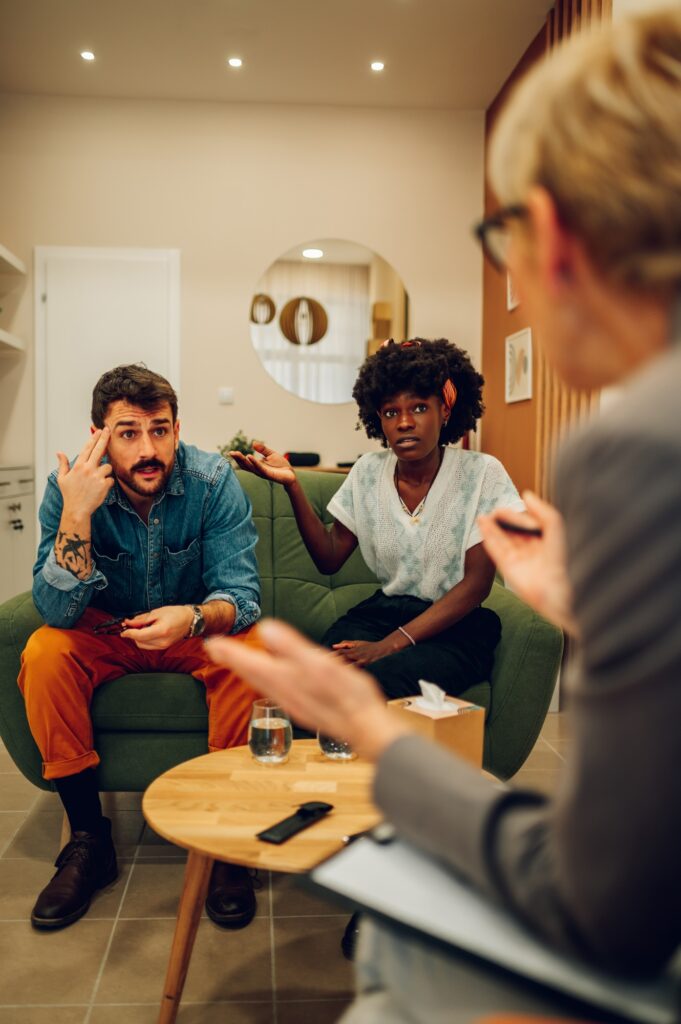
x=319, y=310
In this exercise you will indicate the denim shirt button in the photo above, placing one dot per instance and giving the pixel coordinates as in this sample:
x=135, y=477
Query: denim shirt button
x=156, y=522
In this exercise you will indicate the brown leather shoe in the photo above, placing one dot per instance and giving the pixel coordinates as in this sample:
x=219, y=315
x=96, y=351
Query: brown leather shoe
x=231, y=900
x=87, y=863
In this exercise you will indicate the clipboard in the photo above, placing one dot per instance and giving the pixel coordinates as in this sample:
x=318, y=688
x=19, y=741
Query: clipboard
x=401, y=884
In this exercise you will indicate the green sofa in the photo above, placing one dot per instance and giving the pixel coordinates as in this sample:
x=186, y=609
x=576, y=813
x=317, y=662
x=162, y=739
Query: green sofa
x=145, y=724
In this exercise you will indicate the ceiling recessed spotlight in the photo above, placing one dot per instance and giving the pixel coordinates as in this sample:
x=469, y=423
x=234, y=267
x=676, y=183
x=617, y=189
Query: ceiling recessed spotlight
x=235, y=62
x=377, y=65
x=87, y=54
x=313, y=254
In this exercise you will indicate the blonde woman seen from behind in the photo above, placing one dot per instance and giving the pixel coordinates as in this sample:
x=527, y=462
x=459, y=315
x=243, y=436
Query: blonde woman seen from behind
x=586, y=162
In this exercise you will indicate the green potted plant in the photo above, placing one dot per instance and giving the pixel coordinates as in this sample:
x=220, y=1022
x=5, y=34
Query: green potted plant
x=239, y=443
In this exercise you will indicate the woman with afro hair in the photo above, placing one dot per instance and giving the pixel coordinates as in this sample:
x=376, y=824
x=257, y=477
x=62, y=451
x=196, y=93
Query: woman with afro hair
x=412, y=508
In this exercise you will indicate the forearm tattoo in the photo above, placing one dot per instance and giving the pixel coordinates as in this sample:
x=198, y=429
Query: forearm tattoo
x=72, y=552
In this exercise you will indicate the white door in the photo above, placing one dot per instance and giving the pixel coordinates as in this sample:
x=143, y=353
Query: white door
x=96, y=309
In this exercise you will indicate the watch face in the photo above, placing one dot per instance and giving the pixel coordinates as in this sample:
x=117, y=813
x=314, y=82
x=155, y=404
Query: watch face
x=198, y=622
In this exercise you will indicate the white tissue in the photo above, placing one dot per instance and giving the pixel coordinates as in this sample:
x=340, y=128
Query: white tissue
x=433, y=697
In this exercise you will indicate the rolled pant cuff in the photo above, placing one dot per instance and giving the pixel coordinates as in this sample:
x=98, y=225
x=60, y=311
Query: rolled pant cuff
x=60, y=769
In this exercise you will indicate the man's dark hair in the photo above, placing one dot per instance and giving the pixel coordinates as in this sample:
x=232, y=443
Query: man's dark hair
x=134, y=384
x=422, y=367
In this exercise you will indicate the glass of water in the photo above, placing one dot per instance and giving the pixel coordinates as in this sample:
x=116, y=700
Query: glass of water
x=269, y=732
x=335, y=750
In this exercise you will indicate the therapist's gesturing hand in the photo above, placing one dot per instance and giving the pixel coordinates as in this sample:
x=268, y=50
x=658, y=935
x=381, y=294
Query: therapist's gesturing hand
x=317, y=689
x=534, y=567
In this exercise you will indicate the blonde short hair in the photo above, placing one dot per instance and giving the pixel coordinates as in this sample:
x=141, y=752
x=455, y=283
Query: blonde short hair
x=598, y=124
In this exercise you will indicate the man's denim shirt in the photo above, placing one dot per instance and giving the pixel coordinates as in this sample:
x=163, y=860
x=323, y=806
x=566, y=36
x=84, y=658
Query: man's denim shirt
x=198, y=546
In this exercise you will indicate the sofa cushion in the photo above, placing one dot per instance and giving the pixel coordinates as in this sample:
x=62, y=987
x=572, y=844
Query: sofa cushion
x=260, y=493
x=150, y=702
x=302, y=595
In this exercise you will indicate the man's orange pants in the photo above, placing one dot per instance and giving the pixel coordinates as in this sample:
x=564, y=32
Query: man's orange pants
x=60, y=669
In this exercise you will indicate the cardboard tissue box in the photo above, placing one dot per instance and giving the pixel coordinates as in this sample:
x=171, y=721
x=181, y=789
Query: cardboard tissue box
x=450, y=721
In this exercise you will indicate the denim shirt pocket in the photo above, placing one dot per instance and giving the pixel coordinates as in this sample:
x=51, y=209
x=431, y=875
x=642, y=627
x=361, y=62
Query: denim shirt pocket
x=118, y=572
x=183, y=574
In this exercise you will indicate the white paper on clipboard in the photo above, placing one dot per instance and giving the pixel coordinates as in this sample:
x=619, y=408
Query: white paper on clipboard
x=403, y=884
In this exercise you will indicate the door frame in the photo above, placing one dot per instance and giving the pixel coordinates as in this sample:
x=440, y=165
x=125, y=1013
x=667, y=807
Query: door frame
x=41, y=255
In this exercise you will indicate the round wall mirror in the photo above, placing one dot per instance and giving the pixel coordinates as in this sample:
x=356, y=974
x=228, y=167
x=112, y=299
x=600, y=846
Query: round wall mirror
x=319, y=310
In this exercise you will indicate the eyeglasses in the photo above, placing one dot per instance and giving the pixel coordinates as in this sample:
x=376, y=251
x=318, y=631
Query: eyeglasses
x=493, y=234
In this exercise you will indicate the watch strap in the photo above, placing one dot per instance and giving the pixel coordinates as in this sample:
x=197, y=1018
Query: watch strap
x=198, y=623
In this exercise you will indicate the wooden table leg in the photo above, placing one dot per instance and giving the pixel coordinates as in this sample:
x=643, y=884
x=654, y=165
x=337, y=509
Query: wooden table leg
x=196, y=879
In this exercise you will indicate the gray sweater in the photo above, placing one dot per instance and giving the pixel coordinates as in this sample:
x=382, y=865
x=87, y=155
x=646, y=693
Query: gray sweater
x=597, y=869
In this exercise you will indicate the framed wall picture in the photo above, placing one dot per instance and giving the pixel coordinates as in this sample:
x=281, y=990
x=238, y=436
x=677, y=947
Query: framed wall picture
x=512, y=300
x=519, y=366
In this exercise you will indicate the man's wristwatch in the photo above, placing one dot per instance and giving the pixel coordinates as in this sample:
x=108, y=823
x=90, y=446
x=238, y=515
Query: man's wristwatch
x=198, y=623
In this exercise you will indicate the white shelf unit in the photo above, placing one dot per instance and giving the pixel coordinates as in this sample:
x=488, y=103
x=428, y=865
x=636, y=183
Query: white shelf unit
x=8, y=340
x=10, y=265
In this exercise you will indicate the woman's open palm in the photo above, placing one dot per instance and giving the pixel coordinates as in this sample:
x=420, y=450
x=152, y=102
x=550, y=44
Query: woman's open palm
x=272, y=465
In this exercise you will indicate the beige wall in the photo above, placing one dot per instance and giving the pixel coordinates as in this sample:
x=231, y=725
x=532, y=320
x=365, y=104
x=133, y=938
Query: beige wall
x=623, y=7
x=233, y=187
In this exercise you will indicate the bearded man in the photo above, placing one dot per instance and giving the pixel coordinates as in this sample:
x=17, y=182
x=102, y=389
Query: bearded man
x=147, y=544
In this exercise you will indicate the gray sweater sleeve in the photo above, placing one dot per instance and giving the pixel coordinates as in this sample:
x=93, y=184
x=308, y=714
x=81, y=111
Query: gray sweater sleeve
x=596, y=870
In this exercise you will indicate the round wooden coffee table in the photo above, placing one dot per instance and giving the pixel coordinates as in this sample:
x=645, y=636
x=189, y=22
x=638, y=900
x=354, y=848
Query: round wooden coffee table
x=214, y=805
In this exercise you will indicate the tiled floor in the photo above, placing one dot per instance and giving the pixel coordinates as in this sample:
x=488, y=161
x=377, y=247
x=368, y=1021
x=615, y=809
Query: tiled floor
x=108, y=968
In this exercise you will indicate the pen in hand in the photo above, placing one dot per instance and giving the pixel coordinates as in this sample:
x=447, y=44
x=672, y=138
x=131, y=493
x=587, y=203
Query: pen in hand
x=520, y=528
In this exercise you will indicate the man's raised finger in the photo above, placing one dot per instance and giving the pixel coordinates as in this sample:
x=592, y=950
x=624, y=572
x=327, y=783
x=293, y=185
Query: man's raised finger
x=100, y=445
x=86, y=450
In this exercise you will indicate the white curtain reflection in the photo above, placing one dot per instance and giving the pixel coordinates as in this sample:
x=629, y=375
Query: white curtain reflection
x=325, y=371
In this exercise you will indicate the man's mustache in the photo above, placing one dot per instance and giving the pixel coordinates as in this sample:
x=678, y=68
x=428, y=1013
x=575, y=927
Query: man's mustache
x=148, y=464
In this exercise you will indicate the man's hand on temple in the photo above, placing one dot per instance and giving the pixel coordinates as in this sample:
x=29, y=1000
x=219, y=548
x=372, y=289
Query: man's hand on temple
x=160, y=628
x=85, y=485
x=317, y=688
x=534, y=567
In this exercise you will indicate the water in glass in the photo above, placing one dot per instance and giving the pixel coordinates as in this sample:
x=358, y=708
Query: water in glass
x=335, y=750
x=269, y=733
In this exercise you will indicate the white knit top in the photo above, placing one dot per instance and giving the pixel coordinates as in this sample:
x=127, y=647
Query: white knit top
x=423, y=556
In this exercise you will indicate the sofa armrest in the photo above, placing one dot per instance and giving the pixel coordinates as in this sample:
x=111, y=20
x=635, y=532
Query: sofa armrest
x=526, y=667
x=18, y=619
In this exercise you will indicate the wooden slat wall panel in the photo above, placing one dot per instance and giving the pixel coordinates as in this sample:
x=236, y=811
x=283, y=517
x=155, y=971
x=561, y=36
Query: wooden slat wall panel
x=576, y=15
x=560, y=407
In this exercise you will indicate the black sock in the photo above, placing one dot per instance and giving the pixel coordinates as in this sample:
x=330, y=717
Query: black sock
x=80, y=797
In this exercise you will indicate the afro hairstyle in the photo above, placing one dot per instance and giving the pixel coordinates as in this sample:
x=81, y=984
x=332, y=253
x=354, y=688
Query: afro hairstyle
x=421, y=367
